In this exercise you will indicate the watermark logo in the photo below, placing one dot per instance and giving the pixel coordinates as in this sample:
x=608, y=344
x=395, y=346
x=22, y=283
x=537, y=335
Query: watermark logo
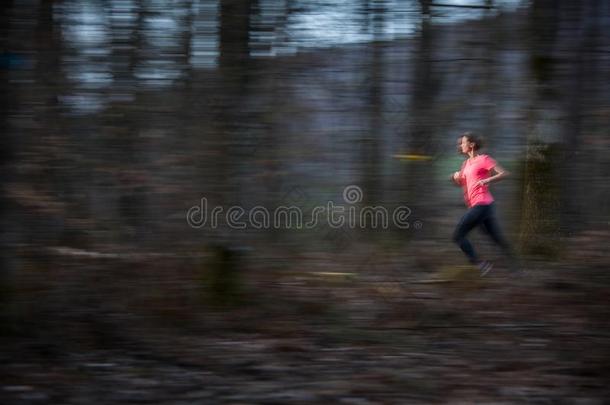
x=347, y=215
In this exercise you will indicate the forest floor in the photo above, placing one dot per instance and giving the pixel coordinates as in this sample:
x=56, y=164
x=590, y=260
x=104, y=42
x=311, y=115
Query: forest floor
x=328, y=330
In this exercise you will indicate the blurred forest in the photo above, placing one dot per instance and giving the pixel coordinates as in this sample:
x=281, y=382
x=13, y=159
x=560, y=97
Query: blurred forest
x=120, y=115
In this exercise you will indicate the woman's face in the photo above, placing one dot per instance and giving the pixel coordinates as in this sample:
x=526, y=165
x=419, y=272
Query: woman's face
x=464, y=145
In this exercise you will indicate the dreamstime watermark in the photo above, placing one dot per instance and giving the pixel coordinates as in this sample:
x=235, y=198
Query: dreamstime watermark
x=293, y=217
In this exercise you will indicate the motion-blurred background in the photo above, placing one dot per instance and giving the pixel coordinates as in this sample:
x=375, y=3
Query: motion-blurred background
x=119, y=116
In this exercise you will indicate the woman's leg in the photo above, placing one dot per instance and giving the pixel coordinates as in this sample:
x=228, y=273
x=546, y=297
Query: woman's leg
x=473, y=217
x=492, y=227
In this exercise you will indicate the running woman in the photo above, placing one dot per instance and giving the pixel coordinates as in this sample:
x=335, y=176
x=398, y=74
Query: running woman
x=475, y=175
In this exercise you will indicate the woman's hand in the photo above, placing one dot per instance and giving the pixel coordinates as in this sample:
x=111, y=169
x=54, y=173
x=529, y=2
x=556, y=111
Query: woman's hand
x=457, y=179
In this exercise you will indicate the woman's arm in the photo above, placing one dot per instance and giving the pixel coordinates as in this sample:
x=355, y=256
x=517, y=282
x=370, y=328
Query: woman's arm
x=457, y=178
x=500, y=173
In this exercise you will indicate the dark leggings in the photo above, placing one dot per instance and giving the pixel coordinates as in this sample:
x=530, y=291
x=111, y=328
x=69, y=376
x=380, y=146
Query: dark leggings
x=485, y=216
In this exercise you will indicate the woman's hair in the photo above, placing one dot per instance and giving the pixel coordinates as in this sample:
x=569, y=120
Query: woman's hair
x=476, y=139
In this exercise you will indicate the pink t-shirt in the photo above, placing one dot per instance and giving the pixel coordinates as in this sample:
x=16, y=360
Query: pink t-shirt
x=471, y=172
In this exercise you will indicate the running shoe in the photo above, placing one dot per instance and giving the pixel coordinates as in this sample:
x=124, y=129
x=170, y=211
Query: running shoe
x=485, y=267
